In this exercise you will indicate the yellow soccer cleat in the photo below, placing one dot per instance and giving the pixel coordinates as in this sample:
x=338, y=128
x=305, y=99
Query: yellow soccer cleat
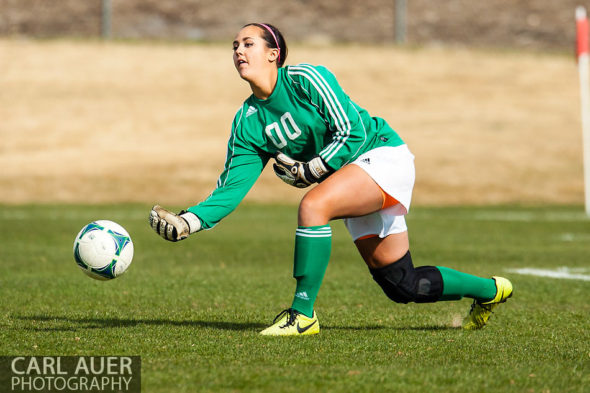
x=480, y=312
x=292, y=323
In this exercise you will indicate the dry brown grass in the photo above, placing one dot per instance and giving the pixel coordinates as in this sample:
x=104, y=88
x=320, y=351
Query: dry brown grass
x=113, y=122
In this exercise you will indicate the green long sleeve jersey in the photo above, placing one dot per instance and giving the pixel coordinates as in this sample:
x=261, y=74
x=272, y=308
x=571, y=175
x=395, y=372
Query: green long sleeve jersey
x=308, y=114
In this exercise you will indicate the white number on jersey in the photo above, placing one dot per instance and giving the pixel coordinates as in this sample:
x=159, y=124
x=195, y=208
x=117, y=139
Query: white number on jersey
x=276, y=135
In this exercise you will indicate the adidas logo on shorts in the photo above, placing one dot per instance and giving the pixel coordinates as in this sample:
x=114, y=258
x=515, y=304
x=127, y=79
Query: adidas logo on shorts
x=366, y=160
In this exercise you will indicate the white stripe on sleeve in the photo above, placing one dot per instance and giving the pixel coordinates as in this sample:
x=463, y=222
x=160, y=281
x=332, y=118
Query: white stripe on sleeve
x=332, y=104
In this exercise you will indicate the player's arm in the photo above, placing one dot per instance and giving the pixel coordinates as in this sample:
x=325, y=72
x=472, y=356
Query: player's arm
x=243, y=166
x=238, y=177
x=322, y=89
x=242, y=169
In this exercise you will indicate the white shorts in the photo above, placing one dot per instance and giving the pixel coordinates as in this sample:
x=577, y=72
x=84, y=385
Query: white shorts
x=393, y=170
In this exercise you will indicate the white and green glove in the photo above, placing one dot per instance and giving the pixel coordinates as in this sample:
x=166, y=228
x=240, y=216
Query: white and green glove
x=299, y=174
x=172, y=226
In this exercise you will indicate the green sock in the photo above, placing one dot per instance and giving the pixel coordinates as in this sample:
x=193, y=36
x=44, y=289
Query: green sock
x=457, y=284
x=312, y=253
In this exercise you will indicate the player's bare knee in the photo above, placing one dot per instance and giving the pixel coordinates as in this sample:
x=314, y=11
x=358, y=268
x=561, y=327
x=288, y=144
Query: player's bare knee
x=375, y=262
x=312, y=211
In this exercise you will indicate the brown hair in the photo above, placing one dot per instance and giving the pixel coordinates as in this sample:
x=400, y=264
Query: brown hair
x=274, y=39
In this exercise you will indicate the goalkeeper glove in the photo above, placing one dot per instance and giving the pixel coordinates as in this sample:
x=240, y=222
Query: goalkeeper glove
x=297, y=173
x=171, y=226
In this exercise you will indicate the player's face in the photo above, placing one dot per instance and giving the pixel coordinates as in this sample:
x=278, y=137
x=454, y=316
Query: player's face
x=252, y=56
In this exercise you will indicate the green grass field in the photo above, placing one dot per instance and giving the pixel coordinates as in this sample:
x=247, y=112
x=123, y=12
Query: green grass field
x=192, y=310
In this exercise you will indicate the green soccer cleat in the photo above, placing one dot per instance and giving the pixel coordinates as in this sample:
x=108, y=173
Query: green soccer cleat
x=292, y=323
x=480, y=312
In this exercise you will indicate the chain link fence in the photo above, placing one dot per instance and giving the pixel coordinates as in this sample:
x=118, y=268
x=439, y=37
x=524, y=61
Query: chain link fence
x=539, y=24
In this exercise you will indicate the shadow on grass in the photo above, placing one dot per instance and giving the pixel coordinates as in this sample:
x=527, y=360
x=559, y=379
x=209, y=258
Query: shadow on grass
x=74, y=324
x=401, y=328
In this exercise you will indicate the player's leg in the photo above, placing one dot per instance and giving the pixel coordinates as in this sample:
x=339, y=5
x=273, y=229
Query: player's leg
x=348, y=192
x=404, y=283
x=397, y=273
x=382, y=240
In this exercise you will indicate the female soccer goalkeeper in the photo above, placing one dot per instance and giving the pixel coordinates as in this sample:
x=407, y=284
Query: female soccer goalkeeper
x=300, y=116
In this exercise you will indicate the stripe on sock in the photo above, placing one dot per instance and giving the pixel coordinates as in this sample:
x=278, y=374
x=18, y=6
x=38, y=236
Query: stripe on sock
x=323, y=231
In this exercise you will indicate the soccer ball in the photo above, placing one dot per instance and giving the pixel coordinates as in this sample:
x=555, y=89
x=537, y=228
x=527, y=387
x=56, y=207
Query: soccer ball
x=103, y=250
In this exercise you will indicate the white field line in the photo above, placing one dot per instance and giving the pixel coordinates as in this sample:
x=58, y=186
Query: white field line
x=529, y=216
x=574, y=237
x=560, y=273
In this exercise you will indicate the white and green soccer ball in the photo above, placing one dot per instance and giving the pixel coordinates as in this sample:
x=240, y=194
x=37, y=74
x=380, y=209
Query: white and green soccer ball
x=103, y=250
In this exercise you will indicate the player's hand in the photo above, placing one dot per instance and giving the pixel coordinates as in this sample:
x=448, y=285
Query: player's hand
x=297, y=173
x=172, y=226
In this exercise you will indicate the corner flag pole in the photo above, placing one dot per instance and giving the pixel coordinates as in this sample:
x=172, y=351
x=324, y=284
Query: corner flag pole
x=583, y=63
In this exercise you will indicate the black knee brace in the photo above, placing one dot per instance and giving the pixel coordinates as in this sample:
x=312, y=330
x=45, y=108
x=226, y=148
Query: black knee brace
x=403, y=283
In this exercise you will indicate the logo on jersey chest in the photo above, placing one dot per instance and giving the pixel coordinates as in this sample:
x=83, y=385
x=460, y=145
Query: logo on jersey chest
x=251, y=110
x=280, y=132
